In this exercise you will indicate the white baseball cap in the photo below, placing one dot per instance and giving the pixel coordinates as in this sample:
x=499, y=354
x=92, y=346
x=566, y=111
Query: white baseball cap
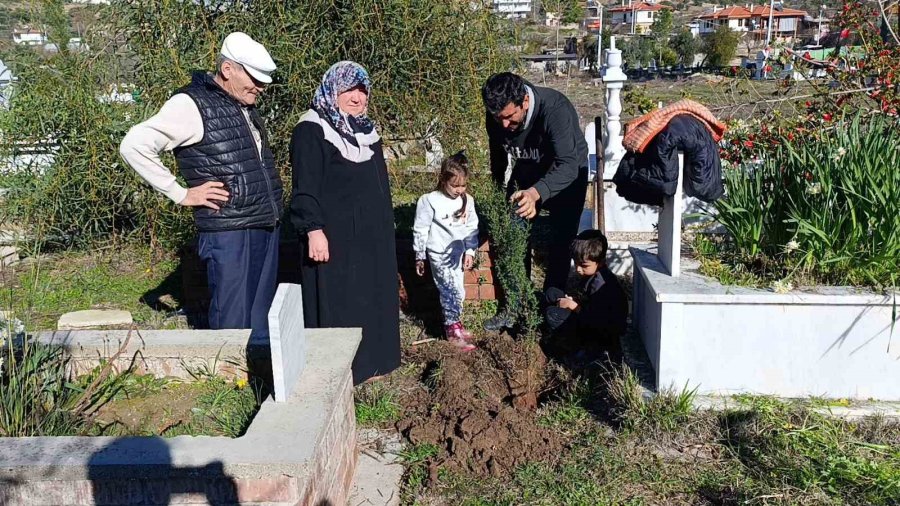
x=241, y=48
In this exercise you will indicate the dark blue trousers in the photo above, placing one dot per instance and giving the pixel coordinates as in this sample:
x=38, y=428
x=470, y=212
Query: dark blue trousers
x=241, y=270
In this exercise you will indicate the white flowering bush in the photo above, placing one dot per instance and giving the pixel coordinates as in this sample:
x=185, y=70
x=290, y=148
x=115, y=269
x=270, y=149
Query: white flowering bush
x=824, y=210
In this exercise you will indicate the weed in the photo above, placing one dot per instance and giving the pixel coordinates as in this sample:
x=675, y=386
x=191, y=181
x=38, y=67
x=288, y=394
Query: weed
x=38, y=396
x=476, y=312
x=789, y=443
x=40, y=292
x=203, y=369
x=665, y=411
x=229, y=407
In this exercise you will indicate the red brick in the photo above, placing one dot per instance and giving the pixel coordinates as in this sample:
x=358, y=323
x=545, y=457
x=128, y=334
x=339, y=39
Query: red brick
x=484, y=246
x=280, y=489
x=472, y=292
x=487, y=292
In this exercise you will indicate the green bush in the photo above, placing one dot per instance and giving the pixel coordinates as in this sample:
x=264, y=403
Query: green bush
x=826, y=207
x=427, y=58
x=720, y=46
x=509, y=243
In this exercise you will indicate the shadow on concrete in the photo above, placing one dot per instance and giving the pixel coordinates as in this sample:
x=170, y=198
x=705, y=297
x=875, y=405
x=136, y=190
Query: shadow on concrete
x=139, y=470
x=7, y=488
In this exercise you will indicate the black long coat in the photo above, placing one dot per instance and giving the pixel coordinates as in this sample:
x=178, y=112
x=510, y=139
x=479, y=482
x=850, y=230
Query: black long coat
x=358, y=286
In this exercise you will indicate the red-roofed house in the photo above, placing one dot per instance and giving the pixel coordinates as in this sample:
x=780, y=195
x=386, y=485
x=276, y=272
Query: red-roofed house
x=639, y=15
x=785, y=22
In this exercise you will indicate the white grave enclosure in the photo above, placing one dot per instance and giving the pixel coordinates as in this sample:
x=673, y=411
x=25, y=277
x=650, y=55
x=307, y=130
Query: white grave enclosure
x=837, y=342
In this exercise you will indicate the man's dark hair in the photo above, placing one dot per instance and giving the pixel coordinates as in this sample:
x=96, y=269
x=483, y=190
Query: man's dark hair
x=501, y=90
x=590, y=245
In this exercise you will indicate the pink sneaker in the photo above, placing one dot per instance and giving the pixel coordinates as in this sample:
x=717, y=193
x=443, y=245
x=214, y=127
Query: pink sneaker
x=457, y=336
x=457, y=330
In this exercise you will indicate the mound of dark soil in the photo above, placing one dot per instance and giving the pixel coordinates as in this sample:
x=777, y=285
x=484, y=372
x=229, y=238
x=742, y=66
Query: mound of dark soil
x=479, y=408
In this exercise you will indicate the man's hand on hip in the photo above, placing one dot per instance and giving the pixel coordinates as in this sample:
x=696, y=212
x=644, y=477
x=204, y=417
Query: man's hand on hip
x=527, y=202
x=206, y=195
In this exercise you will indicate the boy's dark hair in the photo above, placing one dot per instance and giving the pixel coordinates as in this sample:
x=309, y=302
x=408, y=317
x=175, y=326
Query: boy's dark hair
x=590, y=245
x=452, y=167
x=501, y=90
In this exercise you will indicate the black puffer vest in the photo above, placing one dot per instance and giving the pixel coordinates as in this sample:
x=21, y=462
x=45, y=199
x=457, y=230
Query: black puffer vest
x=228, y=153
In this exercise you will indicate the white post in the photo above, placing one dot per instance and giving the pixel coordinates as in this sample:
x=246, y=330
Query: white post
x=614, y=78
x=599, y=37
x=669, y=245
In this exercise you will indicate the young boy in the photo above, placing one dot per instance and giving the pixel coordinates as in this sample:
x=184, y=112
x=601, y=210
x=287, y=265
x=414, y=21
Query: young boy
x=596, y=316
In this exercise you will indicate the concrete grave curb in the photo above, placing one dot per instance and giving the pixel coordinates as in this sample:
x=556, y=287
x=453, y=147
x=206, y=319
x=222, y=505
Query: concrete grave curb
x=298, y=452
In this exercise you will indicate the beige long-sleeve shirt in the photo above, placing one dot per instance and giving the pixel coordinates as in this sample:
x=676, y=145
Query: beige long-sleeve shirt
x=178, y=123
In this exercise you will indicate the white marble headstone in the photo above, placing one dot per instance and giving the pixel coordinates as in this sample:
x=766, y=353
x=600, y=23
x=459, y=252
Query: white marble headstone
x=287, y=339
x=670, y=226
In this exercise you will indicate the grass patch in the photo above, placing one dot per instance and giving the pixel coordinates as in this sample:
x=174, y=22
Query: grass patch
x=416, y=460
x=665, y=411
x=38, y=292
x=375, y=404
x=169, y=408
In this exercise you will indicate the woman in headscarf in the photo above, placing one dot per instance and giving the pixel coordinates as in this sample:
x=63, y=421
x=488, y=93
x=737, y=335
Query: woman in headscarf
x=341, y=207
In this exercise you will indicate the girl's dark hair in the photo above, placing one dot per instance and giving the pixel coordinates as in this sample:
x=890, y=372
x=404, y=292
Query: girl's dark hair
x=590, y=245
x=452, y=167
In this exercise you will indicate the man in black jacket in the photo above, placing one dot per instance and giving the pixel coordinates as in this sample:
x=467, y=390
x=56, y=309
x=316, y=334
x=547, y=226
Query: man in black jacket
x=222, y=151
x=538, y=128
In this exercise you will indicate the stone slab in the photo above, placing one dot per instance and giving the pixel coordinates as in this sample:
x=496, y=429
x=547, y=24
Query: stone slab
x=853, y=411
x=91, y=318
x=670, y=226
x=8, y=255
x=379, y=472
x=377, y=481
x=287, y=339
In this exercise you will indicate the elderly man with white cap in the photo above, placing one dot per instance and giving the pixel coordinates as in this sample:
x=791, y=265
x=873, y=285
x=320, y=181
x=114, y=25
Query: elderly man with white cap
x=222, y=150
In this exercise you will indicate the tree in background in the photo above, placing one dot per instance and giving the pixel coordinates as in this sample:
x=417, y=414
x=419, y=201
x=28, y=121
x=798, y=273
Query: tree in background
x=720, y=46
x=660, y=31
x=573, y=12
x=685, y=46
x=427, y=63
x=638, y=51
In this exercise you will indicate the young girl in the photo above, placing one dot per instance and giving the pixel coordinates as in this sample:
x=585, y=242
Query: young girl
x=446, y=232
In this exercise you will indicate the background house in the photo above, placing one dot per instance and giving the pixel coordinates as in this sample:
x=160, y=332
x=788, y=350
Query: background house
x=638, y=15
x=514, y=9
x=754, y=19
x=29, y=36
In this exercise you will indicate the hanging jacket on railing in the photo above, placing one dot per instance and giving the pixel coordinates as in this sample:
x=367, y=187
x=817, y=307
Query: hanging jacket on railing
x=647, y=177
